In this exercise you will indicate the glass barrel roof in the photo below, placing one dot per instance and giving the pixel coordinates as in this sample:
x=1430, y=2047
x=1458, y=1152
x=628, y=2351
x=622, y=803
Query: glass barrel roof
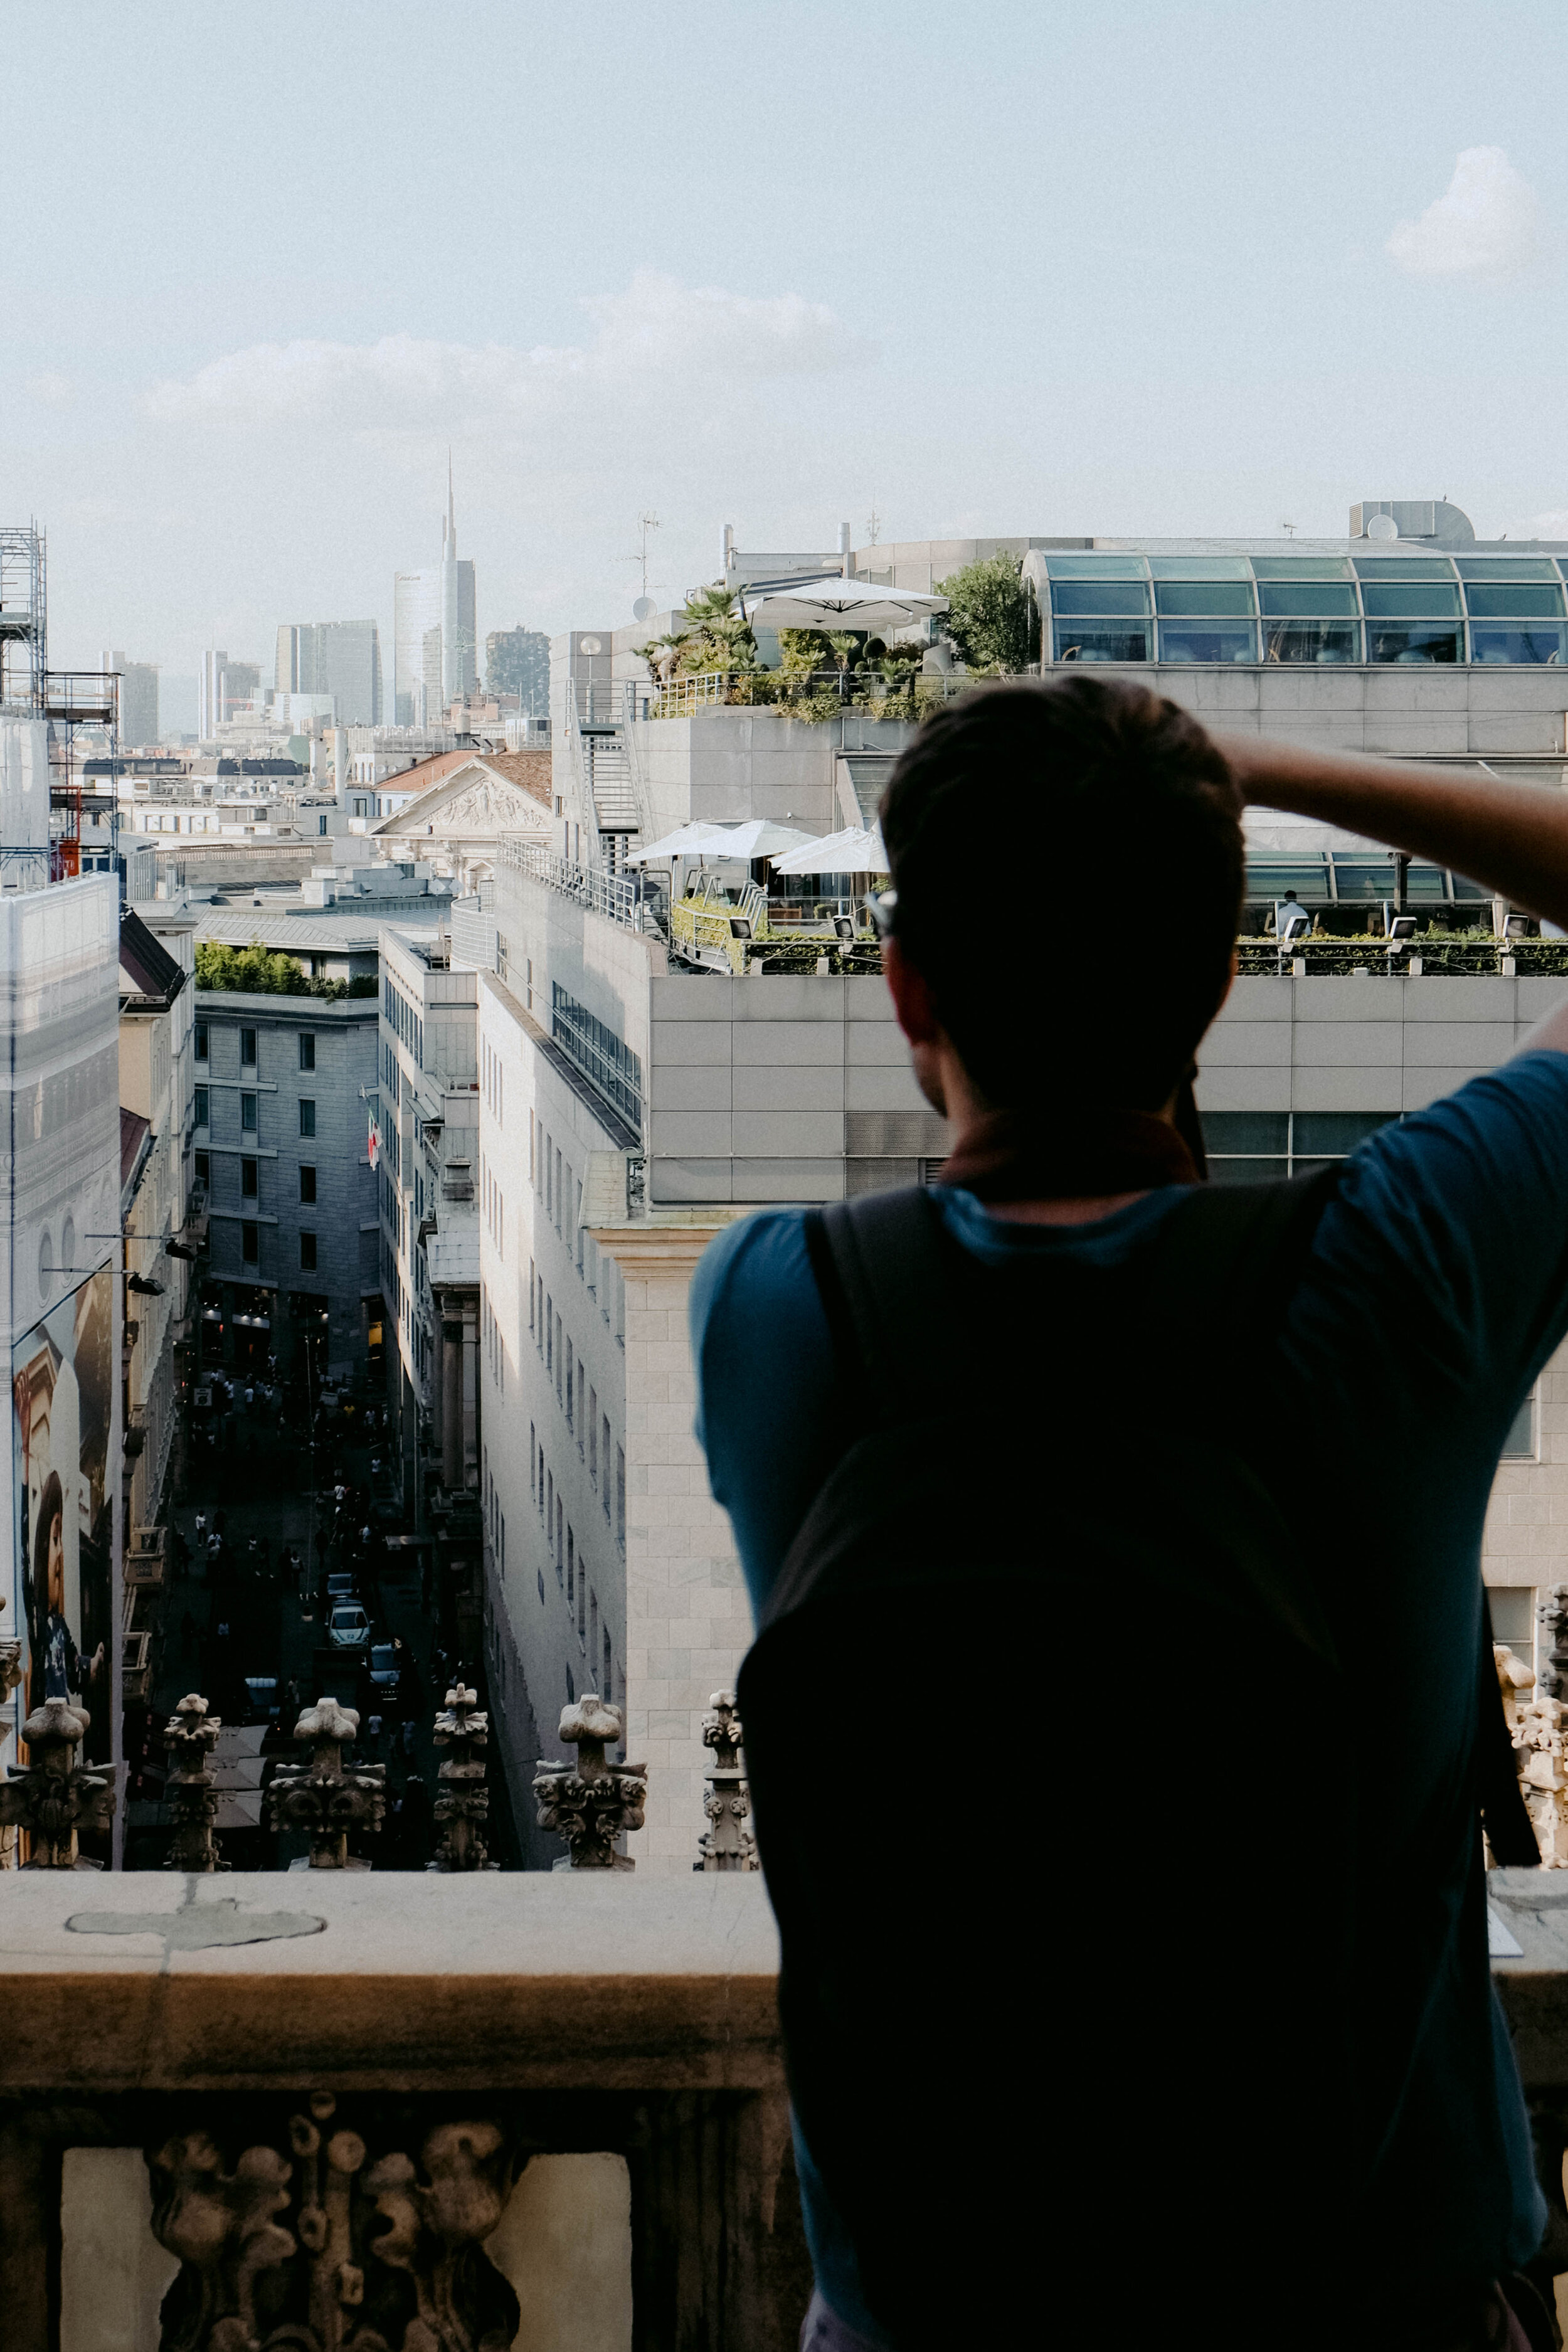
x=1121, y=605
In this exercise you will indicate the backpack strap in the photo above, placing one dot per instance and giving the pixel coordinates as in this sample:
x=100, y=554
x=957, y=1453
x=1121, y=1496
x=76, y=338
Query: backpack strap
x=882, y=1272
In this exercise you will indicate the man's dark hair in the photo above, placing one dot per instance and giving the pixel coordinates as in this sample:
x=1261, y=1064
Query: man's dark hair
x=1032, y=830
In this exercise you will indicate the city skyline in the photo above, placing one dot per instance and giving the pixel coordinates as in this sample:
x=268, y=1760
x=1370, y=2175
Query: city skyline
x=1161, y=306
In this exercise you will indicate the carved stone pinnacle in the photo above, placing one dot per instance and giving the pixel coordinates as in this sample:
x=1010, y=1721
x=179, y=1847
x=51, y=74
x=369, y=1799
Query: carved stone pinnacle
x=189, y=1738
x=324, y=1797
x=727, y=1844
x=592, y=1803
x=462, y=1803
x=51, y=1797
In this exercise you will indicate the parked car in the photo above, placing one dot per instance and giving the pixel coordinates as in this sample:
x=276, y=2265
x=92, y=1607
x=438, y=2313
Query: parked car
x=341, y=1586
x=386, y=1672
x=348, y=1628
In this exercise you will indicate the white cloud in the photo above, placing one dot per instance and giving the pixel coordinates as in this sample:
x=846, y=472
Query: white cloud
x=1486, y=224
x=656, y=334
x=51, y=391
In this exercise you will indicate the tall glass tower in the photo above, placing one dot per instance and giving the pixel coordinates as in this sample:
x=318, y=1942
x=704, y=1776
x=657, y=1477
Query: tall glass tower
x=435, y=639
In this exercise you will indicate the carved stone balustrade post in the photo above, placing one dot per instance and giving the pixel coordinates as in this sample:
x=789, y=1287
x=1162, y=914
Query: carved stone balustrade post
x=462, y=1803
x=325, y=1797
x=53, y=1798
x=1554, y=1616
x=728, y=1844
x=189, y=1738
x=589, y=1804
x=337, y=2240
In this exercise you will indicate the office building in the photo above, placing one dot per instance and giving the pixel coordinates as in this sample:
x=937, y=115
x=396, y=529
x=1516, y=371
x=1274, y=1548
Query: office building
x=434, y=642
x=282, y=1146
x=225, y=687
x=340, y=659
x=516, y=661
x=138, y=699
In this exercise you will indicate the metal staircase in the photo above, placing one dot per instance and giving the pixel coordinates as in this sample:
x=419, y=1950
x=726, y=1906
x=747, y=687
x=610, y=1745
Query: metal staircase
x=607, y=773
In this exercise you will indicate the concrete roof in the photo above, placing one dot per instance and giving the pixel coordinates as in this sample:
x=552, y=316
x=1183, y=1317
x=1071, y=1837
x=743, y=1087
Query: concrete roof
x=235, y=927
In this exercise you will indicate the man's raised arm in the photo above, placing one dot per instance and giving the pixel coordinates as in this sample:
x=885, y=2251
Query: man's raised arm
x=1511, y=837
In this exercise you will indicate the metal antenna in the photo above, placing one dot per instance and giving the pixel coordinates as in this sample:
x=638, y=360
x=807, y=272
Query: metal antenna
x=645, y=522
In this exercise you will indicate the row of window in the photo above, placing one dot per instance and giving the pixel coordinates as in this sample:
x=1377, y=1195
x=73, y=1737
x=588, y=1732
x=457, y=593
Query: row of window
x=305, y=1038
x=1324, y=642
x=570, y=1564
x=403, y=1019
x=604, y=1059
x=249, y=1112
x=493, y=1081
x=250, y=1247
x=250, y=1179
x=566, y=1371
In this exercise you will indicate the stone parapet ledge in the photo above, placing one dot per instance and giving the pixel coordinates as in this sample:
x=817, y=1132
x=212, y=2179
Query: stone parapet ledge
x=1531, y=1908
x=496, y=1982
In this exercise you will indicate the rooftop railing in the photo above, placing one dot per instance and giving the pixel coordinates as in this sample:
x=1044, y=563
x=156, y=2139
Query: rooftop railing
x=614, y=896
x=813, y=695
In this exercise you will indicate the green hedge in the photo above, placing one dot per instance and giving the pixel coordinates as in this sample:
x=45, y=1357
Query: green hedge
x=259, y=972
x=1449, y=952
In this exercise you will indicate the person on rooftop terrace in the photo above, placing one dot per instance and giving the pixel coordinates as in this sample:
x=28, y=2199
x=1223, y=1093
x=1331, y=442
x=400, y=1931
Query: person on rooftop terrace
x=1123, y=1828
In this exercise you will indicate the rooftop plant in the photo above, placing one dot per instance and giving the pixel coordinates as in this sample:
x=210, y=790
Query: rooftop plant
x=261, y=972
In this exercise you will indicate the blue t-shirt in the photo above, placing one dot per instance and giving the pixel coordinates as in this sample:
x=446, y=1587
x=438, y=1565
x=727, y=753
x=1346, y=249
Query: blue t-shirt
x=1436, y=1290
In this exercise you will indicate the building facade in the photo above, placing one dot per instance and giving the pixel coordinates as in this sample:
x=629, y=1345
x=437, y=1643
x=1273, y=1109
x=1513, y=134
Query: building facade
x=157, y=1090
x=338, y=658
x=138, y=699
x=222, y=687
x=428, y=1191
x=281, y=1144
x=516, y=661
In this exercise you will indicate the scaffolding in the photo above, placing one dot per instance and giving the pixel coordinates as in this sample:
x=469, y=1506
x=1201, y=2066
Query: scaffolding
x=65, y=699
x=23, y=615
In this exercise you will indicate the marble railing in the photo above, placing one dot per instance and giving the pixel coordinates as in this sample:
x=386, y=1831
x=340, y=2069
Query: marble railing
x=372, y=2111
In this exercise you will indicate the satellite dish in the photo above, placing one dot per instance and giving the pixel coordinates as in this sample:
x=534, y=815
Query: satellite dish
x=1381, y=526
x=643, y=609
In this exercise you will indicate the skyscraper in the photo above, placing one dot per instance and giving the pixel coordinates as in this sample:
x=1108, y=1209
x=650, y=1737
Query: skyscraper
x=341, y=658
x=516, y=661
x=224, y=683
x=430, y=670
x=138, y=699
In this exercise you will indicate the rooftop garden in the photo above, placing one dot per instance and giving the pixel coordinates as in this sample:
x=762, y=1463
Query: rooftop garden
x=259, y=972
x=714, y=659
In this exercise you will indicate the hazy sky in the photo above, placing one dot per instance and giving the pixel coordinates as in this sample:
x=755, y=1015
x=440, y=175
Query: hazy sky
x=1003, y=269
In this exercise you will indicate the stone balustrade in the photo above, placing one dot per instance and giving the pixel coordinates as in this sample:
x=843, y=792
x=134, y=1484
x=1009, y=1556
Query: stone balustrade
x=429, y=2111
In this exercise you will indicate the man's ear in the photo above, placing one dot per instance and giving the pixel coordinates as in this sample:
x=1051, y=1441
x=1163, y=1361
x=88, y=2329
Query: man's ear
x=913, y=1000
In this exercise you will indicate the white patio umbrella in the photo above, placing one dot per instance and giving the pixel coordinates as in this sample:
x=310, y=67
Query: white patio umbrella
x=836, y=604
x=685, y=841
x=853, y=851
x=759, y=837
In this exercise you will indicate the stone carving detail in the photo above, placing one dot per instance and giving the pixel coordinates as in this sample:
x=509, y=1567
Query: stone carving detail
x=462, y=1803
x=189, y=1738
x=1537, y=1728
x=324, y=1796
x=1554, y=1616
x=342, y=2241
x=11, y=1668
x=590, y=1804
x=53, y=1798
x=728, y=1844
